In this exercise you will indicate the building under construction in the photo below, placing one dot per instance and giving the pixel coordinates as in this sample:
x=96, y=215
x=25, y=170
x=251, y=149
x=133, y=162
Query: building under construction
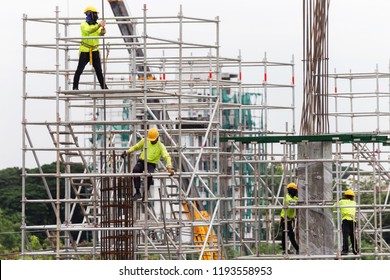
x=230, y=128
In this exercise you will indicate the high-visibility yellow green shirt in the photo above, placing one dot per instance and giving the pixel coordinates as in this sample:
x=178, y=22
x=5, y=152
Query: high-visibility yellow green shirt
x=155, y=152
x=347, y=213
x=89, y=30
x=291, y=213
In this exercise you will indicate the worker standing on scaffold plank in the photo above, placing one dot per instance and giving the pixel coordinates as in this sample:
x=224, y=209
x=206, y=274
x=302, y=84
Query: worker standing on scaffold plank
x=291, y=196
x=155, y=150
x=348, y=217
x=89, y=48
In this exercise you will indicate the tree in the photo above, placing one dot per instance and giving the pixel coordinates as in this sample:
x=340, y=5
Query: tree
x=10, y=235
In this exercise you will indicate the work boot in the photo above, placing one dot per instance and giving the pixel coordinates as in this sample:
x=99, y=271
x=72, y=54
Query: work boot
x=136, y=196
x=343, y=253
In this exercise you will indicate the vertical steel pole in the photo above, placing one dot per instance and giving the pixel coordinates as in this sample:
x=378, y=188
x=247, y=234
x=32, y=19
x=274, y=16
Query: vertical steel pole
x=58, y=121
x=24, y=130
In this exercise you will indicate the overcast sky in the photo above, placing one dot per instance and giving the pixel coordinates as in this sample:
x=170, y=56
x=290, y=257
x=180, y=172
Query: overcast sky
x=359, y=40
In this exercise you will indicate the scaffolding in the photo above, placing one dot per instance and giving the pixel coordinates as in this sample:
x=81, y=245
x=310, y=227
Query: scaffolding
x=232, y=139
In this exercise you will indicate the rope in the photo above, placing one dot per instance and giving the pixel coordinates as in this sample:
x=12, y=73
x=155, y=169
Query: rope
x=108, y=50
x=91, y=49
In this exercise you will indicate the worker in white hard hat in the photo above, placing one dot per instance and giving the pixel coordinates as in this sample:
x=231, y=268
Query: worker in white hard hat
x=291, y=196
x=348, y=217
x=155, y=150
x=89, y=48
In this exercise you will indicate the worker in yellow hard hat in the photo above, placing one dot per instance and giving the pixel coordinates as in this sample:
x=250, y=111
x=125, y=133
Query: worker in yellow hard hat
x=348, y=217
x=155, y=150
x=89, y=48
x=291, y=197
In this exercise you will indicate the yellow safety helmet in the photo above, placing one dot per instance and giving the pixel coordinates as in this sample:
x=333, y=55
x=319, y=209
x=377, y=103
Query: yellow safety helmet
x=349, y=192
x=292, y=186
x=153, y=134
x=90, y=8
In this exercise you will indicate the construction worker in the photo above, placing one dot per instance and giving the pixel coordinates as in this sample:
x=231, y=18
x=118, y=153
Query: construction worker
x=291, y=197
x=348, y=225
x=155, y=150
x=89, y=48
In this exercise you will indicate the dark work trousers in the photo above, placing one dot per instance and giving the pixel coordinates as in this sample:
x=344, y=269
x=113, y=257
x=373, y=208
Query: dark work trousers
x=139, y=168
x=348, y=228
x=290, y=233
x=83, y=60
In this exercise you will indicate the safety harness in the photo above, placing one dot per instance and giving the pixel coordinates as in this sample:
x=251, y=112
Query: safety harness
x=91, y=49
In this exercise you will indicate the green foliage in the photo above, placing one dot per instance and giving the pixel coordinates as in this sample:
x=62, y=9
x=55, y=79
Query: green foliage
x=35, y=213
x=34, y=242
x=10, y=236
x=10, y=190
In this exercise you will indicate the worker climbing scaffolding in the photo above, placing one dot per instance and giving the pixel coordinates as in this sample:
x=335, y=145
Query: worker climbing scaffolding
x=154, y=150
x=89, y=47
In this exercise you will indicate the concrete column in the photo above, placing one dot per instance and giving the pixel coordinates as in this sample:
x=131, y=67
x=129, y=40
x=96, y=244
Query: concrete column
x=315, y=225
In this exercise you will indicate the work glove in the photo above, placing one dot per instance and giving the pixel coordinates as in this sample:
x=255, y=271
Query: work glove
x=124, y=155
x=170, y=171
x=102, y=23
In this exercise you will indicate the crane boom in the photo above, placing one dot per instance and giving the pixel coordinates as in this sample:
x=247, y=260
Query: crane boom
x=126, y=28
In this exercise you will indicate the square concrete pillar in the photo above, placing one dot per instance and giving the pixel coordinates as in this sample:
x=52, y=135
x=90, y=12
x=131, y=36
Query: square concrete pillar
x=315, y=225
